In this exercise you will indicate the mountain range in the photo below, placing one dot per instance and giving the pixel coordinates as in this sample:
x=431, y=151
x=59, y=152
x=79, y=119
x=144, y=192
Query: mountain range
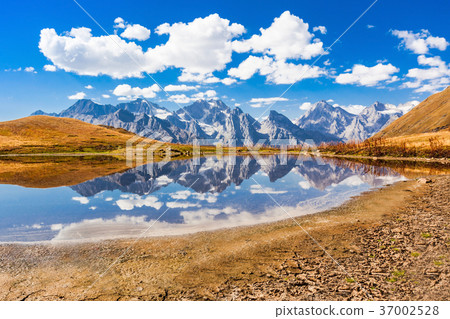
x=214, y=120
x=347, y=126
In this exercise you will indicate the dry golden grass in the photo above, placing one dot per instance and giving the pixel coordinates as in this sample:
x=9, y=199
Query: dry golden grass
x=421, y=140
x=45, y=134
x=435, y=145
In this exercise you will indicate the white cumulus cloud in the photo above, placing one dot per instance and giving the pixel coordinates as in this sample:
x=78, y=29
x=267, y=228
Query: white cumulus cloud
x=432, y=79
x=79, y=52
x=201, y=46
x=205, y=78
x=228, y=81
x=133, y=92
x=250, y=66
x=420, y=42
x=49, y=68
x=119, y=23
x=136, y=32
x=407, y=106
x=77, y=96
x=183, y=98
x=209, y=94
x=321, y=29
x=261, y=101
x=278, y=72
x=288, y=73
x=179, y=88
x=287, y=38
x=351, y=108
x=305, y=106
x=368, y=76
x=180, y=98
x=268, y=100
x=198, y=48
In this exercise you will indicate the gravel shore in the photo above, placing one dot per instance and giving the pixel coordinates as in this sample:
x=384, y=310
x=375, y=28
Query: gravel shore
x=406, y=257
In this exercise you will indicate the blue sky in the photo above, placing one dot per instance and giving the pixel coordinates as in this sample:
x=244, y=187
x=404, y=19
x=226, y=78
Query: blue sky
x=244, y=52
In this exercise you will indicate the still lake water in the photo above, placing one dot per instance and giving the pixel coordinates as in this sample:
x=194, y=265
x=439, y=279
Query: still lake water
x=181, y=197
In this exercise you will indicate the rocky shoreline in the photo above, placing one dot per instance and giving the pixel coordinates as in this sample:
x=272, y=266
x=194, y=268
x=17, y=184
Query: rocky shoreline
x=404, y=258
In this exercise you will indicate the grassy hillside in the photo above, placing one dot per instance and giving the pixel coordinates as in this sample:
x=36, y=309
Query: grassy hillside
x=45, y=134
x=432, y=115
x=422, y=141
x=435, y=145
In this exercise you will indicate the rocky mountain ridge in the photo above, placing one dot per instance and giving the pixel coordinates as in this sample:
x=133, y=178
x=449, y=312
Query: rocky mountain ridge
x=213, y=121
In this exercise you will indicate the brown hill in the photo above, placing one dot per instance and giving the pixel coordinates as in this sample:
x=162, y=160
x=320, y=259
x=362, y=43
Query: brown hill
x=432, y=115
x=45, y=134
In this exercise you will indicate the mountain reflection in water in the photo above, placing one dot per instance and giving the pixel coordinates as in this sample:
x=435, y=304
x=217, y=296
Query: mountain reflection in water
x=185, y=196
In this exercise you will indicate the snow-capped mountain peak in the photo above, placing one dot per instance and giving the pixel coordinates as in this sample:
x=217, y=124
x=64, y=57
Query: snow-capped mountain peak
x=143, y=106
x=334, y=120
x=214, y=120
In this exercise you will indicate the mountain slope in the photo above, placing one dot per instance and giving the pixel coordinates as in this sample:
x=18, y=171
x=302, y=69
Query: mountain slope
x=325, y=118
x=143, y=106
x=373, y=119
x=239, y=126
x=432, y=115
x=37, y=134
x=279, y=127
x=220, y=122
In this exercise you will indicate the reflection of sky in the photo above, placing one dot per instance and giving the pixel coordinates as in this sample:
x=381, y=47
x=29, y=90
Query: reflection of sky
x=61, y=213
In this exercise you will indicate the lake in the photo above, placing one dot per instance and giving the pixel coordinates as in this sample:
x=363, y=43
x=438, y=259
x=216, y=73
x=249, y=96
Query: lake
x=186, y=196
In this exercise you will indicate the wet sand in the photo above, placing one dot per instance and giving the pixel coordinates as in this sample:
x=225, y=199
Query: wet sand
x=387, y=244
